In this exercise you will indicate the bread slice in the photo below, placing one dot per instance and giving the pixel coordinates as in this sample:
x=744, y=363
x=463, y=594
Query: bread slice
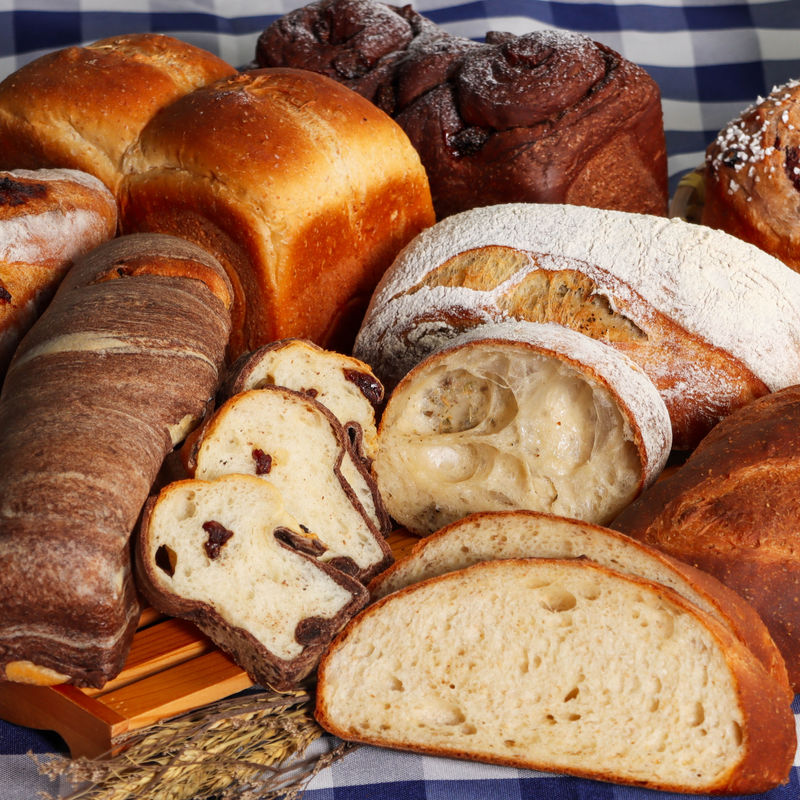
x=228, y=556
x=519, y=415
x=528, y=534
x=296, y=443
x=561, y=666
x=345, y=385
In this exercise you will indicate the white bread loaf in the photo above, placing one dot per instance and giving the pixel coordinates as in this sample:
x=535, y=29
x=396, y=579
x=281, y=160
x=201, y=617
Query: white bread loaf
x=530, y=534
x=48, y=218
x=519, y=415
x=295, y=443
x=563, y=666
x=227, y=555
x=343, y=384
x=712, y=320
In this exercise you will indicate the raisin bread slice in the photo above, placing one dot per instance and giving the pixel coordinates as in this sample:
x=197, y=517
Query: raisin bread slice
x=297, y=444
x=227, y=555
x=520, y=415
x=561, y=666
x=491, y=536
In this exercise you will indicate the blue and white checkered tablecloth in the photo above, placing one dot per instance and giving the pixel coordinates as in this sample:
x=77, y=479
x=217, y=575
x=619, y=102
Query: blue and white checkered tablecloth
x=711, y=58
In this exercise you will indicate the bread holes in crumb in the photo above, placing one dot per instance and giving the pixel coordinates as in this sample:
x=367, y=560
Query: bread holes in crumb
x=557, y=599
x=166, y=560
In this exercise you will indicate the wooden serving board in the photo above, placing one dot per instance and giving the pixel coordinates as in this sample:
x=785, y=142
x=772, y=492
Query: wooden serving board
x=171, y=668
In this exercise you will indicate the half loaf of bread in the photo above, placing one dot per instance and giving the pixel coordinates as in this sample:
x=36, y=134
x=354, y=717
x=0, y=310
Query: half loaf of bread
x=519, y=415
x=298, y=445
x=228, y=556
x=712, y=320
x=563, y=666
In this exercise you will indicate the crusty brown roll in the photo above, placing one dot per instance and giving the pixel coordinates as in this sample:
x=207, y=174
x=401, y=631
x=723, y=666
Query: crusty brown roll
x=752, y=175
x=115, y=372
x=303, y=190
x=47, y=219
x=543, y=117
x=732, y=510
x=81, y=107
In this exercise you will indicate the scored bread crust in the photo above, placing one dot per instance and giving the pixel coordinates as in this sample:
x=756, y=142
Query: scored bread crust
x=304, y=190
x=712, y=320
x=485, y=536
x=48, y=218
x=467, y=668
x=265, y=565
x=83, y=106
x=269, y=432
x=519, y=415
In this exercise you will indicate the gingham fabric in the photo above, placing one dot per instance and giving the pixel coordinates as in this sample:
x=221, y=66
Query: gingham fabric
x=710, y=57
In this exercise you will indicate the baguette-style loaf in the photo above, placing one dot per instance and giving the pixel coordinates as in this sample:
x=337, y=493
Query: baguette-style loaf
x=549, y=116
x=519, y=415
x=295, y=443
x=343, y=384
x=714, y=321
x=732, y=510
x=752, y=175
x=226, y=555
x=48, y=218
x=563, y=666
x=530, y=534
x=110, y=378
x=82, y=107
x=304, y=190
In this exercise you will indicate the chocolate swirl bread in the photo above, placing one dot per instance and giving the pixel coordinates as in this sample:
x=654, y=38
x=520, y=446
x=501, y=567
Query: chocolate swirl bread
x=544, y=117
x=105, y=383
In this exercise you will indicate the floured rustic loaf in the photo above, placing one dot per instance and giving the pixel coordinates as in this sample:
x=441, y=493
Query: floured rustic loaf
x=294, y=442
x=109, y=379
x=712, y=320
x=732, y=510
x=226, y=555
x=519, y=415
x=752, y=175
x=48, y=218
x=530, y=534
x=563, y=666
x=548, y=116
x=343, y=384
x=82, y=107
x=303, y=190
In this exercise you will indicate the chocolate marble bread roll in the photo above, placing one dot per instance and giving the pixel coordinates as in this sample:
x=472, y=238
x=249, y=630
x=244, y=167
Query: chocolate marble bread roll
x=105, y=383
x=543, y=117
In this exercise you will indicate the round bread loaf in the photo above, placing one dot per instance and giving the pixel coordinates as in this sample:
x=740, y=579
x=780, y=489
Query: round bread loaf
x=81, y=107
x=304, y=190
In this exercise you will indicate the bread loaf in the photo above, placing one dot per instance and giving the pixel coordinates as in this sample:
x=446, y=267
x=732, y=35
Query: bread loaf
x=563, y=666
x=714, y=322
x=294, y=442
x=519, y=415
x=732, y=510
x=109, y=379
x=47, y=219
x=530, y=534
x=226, y=555
x=752, y=175
x=344, y=385
x=548, y=116
x=303, y=190
x=82, y=107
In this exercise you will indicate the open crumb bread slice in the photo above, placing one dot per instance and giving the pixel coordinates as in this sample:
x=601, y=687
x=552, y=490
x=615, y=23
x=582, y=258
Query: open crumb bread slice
x=519, y=415
x=298, y=445
x=227, y=555
x=561, y=666
x=491, y=536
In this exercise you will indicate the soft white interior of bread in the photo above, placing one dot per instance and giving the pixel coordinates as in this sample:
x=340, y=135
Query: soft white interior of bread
x=254, y=583
x=305, y=453
x=558, y=665
x=493, y=427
